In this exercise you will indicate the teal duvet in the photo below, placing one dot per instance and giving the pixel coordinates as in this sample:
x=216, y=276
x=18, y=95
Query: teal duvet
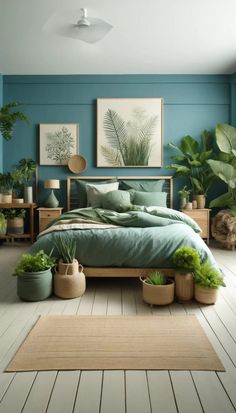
x=145, y=238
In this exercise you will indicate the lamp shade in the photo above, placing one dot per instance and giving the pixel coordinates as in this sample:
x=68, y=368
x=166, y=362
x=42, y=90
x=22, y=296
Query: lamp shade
x=52, y=184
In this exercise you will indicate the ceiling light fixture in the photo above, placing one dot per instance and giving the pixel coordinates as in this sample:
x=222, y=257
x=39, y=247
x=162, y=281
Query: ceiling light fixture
x=87, y=29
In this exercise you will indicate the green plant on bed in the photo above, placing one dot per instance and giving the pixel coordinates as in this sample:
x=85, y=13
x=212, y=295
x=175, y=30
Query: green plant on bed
x=35, y=262
x=156, y=278
x=207, y=276
x=186, y=259
x=66, y=249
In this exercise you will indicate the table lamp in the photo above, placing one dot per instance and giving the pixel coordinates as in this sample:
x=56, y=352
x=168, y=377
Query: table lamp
x=52, y=201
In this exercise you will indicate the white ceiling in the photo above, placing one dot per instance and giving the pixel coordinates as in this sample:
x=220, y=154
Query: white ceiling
x=149, y=37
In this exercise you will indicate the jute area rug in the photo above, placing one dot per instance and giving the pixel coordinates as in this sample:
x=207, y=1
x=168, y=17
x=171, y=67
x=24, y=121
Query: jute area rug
x=116, y=342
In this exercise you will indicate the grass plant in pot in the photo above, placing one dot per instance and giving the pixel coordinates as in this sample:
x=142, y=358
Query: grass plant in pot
x=34, y=276
x=186, y=261
x=69, y=279
x=158, y=289
x=207, y=282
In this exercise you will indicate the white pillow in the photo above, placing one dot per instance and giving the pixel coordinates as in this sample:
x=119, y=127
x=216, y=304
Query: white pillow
x=95, y=193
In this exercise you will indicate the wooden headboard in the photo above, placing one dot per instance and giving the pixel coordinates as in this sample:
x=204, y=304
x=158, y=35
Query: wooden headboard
x=72, y=194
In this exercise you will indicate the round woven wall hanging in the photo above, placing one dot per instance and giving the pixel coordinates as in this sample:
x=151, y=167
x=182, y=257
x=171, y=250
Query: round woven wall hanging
x=77, y=164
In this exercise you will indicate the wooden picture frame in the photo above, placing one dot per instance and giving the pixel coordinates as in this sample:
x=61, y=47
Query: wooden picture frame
x=57, y=143
x=129, y=132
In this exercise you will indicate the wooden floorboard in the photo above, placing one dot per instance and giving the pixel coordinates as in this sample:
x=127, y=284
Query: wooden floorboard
x=116, y=391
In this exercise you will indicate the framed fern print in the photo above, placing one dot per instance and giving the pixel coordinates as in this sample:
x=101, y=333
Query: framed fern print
x=58, y=142
x=129, y=132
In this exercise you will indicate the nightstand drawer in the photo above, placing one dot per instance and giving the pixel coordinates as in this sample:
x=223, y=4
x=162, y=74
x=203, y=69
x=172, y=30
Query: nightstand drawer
x=46, y=215
x=49, y=214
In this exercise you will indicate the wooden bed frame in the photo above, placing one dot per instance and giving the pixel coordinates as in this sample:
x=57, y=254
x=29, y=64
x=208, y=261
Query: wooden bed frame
x=72, y=199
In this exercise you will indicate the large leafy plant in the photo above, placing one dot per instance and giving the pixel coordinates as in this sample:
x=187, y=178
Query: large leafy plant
x=225, y=167
x=191, y=162
x=129, y=143
x=8, y=118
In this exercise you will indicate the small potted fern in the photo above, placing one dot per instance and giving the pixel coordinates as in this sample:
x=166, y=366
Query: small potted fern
x=69, y=279
x=207, y=281
x=158, y=289
x=186, y=261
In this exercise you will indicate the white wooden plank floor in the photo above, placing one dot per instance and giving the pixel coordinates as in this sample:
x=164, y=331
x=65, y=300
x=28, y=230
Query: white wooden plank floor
x=116, y=391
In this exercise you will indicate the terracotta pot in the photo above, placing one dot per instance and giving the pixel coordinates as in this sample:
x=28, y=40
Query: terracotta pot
x=184, y=286
x=69, y=280
x=201, y=201
x=158, y=294
x=205, y=295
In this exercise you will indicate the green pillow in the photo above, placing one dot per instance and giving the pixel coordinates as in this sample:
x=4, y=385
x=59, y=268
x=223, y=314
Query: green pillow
x=142, y=185
x=115, y=200
x=150, y=198
x=95, y=193
x=82, y=193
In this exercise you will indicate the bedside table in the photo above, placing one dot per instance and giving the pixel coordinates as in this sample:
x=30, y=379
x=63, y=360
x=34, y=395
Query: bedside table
x=46, y=215
x=202, y=218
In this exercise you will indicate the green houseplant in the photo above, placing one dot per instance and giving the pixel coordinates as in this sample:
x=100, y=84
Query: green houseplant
x=27, y=168
x=69, y=279
x=158, y=289
x=15, y=220
x=207, y=281
x=225, y=167
x=3, y=224
x=186, y=261
x=184, y=196
x=34, y=276
x=8, y=118
x=7, y=183
x=191, y=162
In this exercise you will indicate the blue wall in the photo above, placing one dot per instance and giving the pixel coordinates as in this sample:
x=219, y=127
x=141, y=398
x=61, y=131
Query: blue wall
x=1, y=143
x=192, y=103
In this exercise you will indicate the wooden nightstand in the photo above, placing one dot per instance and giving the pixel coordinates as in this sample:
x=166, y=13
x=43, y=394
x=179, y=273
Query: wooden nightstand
x=46, y=215
x=202, y=218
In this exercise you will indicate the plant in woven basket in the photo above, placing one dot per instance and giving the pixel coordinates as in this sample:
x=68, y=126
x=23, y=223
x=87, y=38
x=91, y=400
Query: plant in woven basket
x=69, y=279
x=207, y=279
x=66, y=249
x=35, y=262
x=186, y=261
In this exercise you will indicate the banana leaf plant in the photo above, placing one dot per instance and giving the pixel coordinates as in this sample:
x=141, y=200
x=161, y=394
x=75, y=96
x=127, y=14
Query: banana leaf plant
x=8, y=118
x=225, y=167
x=191, y=162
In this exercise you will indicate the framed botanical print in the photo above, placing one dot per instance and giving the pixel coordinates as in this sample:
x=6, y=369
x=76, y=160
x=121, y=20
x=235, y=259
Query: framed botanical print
x=57, y=143
x=129, y=132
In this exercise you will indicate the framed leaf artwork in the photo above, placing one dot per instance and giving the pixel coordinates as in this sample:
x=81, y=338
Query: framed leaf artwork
x=58, y=142
x=129, y=132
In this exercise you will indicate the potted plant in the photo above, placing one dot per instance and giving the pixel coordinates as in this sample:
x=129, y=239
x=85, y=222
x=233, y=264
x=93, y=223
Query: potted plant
x=3, y=224
x=9, y=118
x=191, y=163
x=15, y=220
x=186, y=261
x=26, y=168
x=225, y=167
x=34, y=276
x=69, y=279
x=207, y=282
x=158, y=289
x=7, y=182
x=184, y=196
